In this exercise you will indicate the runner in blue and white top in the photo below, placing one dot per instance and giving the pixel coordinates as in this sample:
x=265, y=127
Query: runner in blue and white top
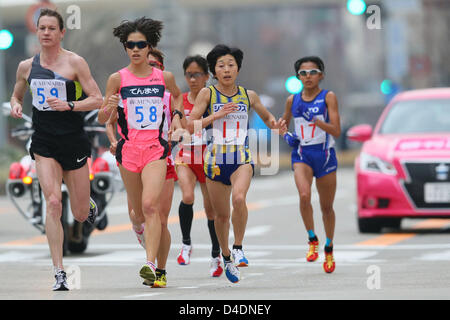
x=316, y=122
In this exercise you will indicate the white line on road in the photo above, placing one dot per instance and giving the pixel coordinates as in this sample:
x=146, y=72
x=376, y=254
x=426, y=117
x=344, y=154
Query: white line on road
x=145, y=295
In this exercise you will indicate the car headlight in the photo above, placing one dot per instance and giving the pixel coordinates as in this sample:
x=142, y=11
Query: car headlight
x=369, y=162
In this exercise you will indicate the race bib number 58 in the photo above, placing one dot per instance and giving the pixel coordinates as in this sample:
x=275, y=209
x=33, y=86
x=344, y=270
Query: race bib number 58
x=145, y=113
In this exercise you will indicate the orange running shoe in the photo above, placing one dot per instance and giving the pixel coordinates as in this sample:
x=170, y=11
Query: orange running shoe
x=313, y=252
x=329, y=265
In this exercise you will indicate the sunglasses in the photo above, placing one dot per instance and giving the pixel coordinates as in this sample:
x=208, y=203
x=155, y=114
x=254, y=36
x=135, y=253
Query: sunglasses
x=311, y=72
x=140, y=44
x=195, y=75
x=156, y=64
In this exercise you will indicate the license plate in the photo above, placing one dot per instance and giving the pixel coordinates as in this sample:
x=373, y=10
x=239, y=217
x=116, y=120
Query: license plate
x=437, y=192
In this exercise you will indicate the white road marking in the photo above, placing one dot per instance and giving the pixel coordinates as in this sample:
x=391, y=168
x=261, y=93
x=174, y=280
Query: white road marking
x=145, y=295
x=436, y=256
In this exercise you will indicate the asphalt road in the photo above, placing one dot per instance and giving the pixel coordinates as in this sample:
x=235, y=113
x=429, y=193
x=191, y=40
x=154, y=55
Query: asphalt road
x=411, y=264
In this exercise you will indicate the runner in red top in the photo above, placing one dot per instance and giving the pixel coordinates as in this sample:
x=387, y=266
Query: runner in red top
x=189, y=166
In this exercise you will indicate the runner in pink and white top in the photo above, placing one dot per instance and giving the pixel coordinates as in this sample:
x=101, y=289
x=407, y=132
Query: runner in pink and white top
x=142, y=151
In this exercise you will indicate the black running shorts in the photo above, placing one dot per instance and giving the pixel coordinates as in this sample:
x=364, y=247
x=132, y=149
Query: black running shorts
x=71, y=151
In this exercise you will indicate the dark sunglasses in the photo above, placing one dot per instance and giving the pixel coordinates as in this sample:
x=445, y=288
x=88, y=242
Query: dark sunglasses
x=140, y=44
x=195, y=75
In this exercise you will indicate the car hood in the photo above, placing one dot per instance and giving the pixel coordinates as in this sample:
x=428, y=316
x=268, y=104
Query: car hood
x=394, y=146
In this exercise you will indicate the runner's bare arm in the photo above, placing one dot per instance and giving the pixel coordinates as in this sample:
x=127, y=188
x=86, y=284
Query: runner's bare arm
x=90, y=87
x=265, y=115
x=20, y=88
x=175, y=91
x=108, y=108
x=200, y=105
x=334, y=126
x=111, y=132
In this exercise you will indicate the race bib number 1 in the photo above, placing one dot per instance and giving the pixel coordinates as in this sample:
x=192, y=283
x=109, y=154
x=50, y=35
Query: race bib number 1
x=231, y=129
x=42, y=89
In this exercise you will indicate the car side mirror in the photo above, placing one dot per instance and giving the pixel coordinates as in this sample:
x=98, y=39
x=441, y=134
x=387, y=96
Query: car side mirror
x=360, y=133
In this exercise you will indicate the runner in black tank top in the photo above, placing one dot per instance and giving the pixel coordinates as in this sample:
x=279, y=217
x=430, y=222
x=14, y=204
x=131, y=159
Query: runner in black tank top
x=57, y=135
x=59, y=144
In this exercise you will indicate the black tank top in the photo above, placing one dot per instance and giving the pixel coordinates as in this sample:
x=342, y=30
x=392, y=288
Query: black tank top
x=46, y=83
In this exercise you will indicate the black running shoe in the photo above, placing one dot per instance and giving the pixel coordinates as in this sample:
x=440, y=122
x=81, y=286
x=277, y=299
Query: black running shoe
x=93, y=211
x=61, y=282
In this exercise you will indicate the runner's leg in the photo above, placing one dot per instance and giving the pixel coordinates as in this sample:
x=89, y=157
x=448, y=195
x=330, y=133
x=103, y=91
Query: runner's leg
x=50, y=174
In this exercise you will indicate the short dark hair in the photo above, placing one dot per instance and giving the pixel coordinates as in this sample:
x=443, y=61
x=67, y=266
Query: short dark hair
x=150, y=28
x=51, y=13
x=198, y=59
x=157, y=54
x=221, y=50
x=313, y=59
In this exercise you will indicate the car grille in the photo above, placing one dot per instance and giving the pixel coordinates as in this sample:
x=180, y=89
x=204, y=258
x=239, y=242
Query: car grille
x=419, y=174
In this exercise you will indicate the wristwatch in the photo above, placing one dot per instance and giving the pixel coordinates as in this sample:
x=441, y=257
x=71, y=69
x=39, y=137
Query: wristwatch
x=178, y=112
x=71, y=105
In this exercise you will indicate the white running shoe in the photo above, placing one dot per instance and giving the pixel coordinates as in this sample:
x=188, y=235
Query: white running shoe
x=140, y=236
x=239, y=258
x=184, y=258
x=232, y=272
x=61, y=281
x=215, y=268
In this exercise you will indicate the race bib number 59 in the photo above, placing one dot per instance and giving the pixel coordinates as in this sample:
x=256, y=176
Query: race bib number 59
x=42, y=89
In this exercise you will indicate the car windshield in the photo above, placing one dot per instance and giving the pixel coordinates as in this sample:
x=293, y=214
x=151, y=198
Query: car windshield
x=418, y=116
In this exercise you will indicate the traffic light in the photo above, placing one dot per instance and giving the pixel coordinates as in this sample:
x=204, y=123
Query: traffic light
x=356, y=7
x=6, y=39
x=387, y=87
x=293, y=85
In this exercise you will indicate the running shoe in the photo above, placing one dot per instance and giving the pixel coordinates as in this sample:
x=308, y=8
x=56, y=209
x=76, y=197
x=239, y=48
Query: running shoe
x=150, y=283
x=215, y=267
x=61, y=281
x=93, y=211
x=239, y=258
x=148, y=272
x=329, y=265
x=184, y=258
x=232, y=272
x=161, y=281
x=140, y=236
x=313, y=252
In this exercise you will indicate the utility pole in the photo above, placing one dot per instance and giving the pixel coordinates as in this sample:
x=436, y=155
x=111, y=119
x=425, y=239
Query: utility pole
x=2, y=96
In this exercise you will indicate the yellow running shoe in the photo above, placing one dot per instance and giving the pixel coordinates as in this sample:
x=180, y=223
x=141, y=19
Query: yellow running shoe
x=148, y=272
x=313, y=252
x=329, y=265
x=161, y=281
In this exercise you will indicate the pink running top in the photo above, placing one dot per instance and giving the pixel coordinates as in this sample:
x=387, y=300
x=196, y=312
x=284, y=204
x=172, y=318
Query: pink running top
x=141, y=113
